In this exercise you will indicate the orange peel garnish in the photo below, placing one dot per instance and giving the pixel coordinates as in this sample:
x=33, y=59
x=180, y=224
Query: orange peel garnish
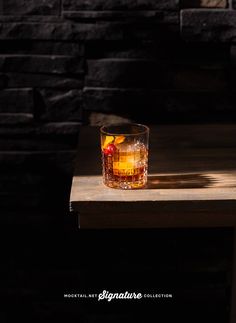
x=108, y=140
x=119, y=140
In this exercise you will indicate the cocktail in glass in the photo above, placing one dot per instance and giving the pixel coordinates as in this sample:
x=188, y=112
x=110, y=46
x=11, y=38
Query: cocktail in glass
x=125, y=155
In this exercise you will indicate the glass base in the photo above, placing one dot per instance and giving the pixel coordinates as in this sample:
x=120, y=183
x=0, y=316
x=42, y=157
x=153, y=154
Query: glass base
x=125, y=185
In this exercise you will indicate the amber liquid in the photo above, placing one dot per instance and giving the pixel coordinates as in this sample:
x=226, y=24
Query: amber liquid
x=125, y=170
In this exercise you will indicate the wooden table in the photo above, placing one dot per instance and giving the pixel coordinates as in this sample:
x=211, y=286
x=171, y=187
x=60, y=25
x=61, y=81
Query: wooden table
x=191, y=183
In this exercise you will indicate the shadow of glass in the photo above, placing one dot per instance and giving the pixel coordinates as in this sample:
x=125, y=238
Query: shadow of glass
x=179, y=181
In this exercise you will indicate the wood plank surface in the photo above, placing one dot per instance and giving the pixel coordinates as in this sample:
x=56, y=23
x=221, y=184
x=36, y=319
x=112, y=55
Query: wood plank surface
x=191, y=182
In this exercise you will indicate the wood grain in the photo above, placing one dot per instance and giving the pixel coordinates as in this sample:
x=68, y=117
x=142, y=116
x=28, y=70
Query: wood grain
x=192, y=181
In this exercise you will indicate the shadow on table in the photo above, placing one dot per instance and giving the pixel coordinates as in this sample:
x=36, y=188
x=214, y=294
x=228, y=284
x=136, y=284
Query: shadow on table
x=179, y=181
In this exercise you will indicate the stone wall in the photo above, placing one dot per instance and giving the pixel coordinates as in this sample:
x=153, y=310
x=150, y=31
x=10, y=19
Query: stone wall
x=64, y=63
x=72, y=62
x=62, y=60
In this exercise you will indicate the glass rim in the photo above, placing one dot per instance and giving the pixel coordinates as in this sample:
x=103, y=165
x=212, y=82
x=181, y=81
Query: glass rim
x=145, y=129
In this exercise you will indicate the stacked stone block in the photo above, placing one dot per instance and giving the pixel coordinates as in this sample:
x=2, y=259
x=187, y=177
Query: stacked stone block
x=148, y=61
x=64, y=62
x=75, y=47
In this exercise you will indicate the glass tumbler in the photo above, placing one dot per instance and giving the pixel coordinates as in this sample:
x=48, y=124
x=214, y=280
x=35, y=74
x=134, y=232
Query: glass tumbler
x=125, y=155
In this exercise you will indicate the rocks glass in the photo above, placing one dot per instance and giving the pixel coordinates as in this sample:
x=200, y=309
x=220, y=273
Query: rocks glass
x=125, y=155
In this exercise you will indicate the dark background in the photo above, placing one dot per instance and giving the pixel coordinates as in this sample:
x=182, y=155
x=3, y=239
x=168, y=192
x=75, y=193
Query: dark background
x=64, y=63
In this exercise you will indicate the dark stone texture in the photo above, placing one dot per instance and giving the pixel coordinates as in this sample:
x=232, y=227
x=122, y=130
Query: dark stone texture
x=31, y=7
x=16, y=118
x=201, y=78
x=204, y=3
x=208, y=25
x=37, y=144
x=36, y=160
x=40, y=137
x=133, y=16
x=120, y=5
x=140, y=73
x=174, y=52
x=163, y=106
x=129, y=49
x=127, y=73
x=97, y=31
x=31, y=18
x=3, y=81
x=16, y=101
x=44, y=81
x=15, y=80
x=37, y=47
x=42, y=64
x=233, y=67
x=53, y=105
x=58, y=31
x=58, y=130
